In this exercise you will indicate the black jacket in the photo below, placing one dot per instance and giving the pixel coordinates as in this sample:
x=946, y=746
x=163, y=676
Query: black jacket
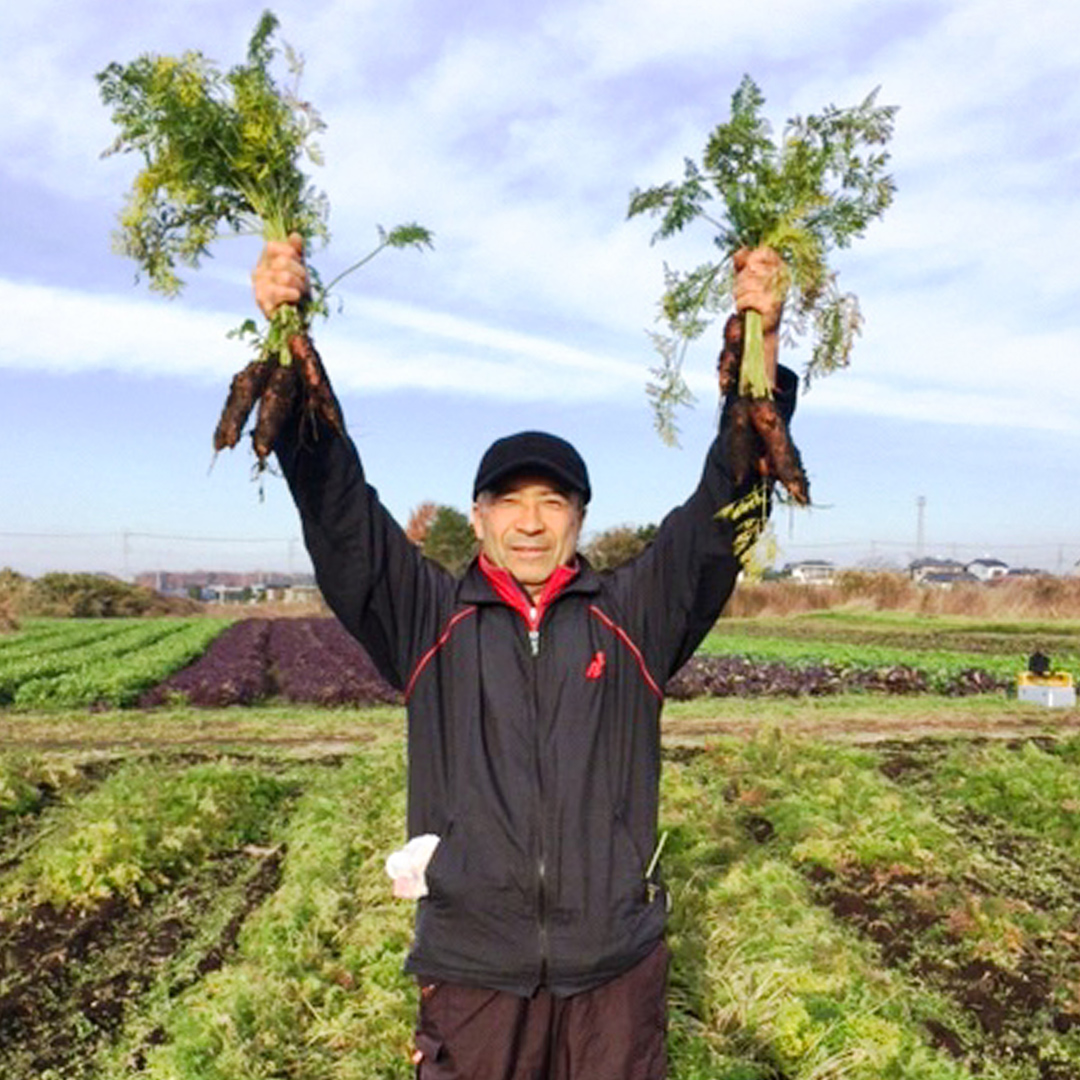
x=535, y=757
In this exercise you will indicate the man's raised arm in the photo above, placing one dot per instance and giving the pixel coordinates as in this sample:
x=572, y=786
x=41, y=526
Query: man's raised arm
x=373, y=578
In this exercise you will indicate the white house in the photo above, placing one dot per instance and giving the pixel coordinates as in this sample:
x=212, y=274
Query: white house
x=987, y=569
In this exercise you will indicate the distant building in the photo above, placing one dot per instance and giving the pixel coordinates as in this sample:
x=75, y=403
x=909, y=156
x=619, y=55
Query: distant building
x=930, y=571
x=947, y=579
x=215, y=584
x=813, y=572
x=302, y=594
x=226, y=594
x=987, y=569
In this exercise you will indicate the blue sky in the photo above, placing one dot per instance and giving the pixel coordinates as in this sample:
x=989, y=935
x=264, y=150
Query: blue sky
x=516, y=132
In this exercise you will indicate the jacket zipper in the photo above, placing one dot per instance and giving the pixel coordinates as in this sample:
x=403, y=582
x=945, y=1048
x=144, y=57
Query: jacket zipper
x=541, y=857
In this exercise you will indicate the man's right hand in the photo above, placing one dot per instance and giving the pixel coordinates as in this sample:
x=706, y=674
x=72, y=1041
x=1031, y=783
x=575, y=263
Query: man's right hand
x=759, y=277
x=280, y=276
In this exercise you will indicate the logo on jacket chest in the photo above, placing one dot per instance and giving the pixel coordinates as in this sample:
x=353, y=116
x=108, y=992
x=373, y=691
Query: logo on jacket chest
x=596, y=665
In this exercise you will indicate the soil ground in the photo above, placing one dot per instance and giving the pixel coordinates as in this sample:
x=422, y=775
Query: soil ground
x=71, y=981
x=308, y=732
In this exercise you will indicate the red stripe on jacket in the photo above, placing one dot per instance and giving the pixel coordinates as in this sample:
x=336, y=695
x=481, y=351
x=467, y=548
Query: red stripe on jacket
x=442, y=639
x=625, y=638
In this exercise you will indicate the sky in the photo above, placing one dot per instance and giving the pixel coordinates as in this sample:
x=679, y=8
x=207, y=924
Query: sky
x=516, y=133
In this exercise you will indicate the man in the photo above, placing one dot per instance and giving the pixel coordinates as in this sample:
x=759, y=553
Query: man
x=533, y=686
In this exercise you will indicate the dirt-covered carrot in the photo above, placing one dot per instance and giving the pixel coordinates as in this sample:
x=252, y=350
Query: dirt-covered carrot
x=742, y=447
x=275, y=405
x=319, y=400
x=782, y=459
x=758, y=441
x=730, y=355
x=246, y=388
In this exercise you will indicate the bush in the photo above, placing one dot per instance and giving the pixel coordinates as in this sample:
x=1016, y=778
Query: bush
x=96, y=596
x=8, y=619
x=14, y=589
x=450, y=539
x=616, y=545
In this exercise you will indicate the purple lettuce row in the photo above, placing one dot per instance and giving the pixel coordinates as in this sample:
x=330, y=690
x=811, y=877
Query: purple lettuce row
x=314, y=661
x=317, y=661
x=232, y=671
x=736, y=676
x=337, y=640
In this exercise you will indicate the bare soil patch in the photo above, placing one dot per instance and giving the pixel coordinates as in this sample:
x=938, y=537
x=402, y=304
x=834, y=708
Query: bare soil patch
x=69, y=977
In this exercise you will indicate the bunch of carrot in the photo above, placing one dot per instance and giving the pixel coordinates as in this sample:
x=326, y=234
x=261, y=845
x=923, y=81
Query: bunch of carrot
x=276, y=387
x=759, y=443
x=815, y=188
x=222, y=150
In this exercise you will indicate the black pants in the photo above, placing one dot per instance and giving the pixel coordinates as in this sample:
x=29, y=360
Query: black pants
x=615, y=1032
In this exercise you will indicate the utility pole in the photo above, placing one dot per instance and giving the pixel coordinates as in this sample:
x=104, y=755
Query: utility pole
x=920, y=526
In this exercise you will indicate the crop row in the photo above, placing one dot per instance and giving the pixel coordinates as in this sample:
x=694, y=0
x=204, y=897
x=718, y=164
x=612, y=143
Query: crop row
x=150, y=662
x=316, y=661
x=809, y=843
x=308, y=660
x=741, y=676
x=939, y=666
x=141, y=828
x=112, y=665
x=922, y=633
x=41, y=636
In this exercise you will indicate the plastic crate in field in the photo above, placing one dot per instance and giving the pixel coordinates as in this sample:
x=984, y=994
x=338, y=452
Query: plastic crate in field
x=1055, y=689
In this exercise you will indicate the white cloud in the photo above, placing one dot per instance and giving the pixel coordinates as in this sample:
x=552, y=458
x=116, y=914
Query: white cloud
x=386, y=346
x=511, y=146
x=61, y=331
x=964, y=407
x=622, y=35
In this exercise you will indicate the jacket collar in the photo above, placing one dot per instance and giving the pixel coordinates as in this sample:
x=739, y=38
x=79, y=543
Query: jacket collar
x=479, y=584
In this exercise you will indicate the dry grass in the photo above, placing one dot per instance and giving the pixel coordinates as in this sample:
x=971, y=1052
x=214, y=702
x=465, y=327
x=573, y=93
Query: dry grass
x=8, y=619
x=268, y=610
x=858, y=590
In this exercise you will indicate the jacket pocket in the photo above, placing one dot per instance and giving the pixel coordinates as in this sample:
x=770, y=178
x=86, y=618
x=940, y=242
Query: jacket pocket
x=629, y=889
x=447, y=870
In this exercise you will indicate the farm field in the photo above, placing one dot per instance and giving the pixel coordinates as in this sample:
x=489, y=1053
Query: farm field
x=863, y=885
x=215, y=662
x=70, y=662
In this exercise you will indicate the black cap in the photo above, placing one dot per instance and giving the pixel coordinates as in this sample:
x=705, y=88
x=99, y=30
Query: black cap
x=532, y=451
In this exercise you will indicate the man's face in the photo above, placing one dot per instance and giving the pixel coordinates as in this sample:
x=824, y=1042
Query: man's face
x=528, y=527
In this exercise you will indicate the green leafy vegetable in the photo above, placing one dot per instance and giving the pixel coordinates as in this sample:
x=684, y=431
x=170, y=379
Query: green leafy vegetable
x=222, y=153
x=220, y=149
x=816, y=189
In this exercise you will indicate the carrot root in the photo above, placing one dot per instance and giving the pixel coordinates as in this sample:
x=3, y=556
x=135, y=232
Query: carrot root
x=274, y=407
x=246, y=388
x=319, y=400
x=730, y=356
x=784, y=461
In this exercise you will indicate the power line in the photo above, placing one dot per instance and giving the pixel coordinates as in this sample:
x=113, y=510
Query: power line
x=59, y=535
